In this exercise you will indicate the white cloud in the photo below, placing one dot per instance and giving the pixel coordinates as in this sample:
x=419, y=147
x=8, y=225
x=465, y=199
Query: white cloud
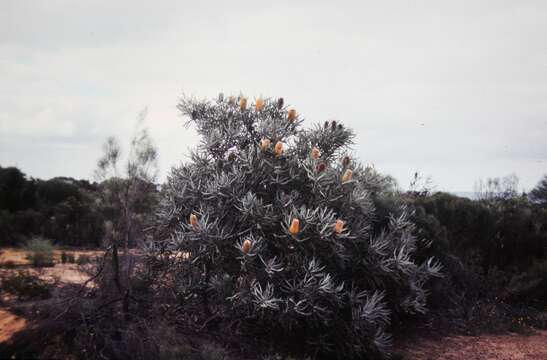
x=474, y=73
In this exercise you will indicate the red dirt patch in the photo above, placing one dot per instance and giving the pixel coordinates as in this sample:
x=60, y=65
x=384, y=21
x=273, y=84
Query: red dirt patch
x=483, y=347
x=17, y=256
x=63, y=273
x=10, y=324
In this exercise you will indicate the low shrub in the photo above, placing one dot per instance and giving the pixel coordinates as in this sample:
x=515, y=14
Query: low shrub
x=26, y=286
x=530, y=286
x=8, y=265
x=40, y=252
x=210, y=351
x=67, y=257
x=83, y=260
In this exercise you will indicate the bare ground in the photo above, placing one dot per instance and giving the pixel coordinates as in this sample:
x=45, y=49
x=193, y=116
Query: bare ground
x=483, y=347
x=63, y=274
x=10, y=324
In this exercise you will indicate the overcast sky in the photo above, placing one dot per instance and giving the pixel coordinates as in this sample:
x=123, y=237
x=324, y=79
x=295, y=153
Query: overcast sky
x=456, y=90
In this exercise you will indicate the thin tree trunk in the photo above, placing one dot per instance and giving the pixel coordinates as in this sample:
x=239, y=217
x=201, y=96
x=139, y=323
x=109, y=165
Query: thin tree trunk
x=116, y=265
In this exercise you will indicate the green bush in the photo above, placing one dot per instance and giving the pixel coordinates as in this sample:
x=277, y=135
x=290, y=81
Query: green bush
x=506, y=234
x=83, y=260
x=40, y=252
x=26, y=286
x=8, y=265
x=61, y=208
x=211, y=351
x=530, y=286
x=67, y=257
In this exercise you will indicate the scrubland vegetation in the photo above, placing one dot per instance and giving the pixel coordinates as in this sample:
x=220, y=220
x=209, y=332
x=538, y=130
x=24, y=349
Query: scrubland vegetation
x=271, y=242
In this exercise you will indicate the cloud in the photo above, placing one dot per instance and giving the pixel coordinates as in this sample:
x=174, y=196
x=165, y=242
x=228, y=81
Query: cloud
x=454, y=89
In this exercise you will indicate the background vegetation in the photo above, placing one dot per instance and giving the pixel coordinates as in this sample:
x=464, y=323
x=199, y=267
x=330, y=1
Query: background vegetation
x=64, y=209
x=492, y=249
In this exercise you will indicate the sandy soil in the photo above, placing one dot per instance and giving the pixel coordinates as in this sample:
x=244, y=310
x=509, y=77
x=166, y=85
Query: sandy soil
x=483, y=347
x=62, y=273
x=17, y=256
x=10, y=324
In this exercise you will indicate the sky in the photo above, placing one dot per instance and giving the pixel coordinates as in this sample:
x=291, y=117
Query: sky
x=456, y=90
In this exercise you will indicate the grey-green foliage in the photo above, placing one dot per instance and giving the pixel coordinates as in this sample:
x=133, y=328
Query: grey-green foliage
x=539, y=193
x=40, y=252
x=25, y=285
x=334, y=292
x=128, y=185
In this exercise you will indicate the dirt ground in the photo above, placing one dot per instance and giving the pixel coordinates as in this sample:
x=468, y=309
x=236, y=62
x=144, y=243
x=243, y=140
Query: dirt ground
x=17, y=256
x=483, y=347
x=62, y=273
x=10, y=324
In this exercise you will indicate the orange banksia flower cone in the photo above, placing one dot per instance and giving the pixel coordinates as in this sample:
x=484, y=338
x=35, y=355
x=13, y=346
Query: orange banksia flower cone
x=295, y=227
x=265, y=144
x=320, y=167
x=291, y=115
x=348, y=175
x=194, y=221
x=246, y=246
x=315, y=153
x=243, y=103
x=278, y=148
x=259, y=104
x=345, y=161
x=339, y=226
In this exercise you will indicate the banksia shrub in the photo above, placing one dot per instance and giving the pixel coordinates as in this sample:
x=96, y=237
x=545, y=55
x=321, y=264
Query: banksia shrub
x=284, y=253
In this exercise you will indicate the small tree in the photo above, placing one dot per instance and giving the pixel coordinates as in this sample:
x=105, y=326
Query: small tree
x=268, y=230
x=40, y=252
x=495, y=189
x=539, y=193
x=420, y=186
x=128, y=195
